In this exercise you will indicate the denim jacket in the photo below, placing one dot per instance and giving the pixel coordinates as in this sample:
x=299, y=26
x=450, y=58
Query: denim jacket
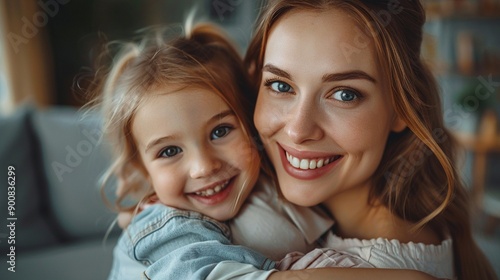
x=179, y=244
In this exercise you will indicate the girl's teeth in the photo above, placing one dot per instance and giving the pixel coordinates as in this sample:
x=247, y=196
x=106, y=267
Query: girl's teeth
x=210, y=192
x=309, y=163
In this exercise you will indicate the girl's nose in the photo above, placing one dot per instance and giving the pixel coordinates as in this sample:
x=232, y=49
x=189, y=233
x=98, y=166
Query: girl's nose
x=204, y=163
x=302, y=123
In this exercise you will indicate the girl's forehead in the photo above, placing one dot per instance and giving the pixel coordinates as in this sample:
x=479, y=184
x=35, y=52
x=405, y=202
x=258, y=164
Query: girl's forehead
x=184, y=109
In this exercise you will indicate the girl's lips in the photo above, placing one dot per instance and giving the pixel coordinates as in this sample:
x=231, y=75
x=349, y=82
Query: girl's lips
x=209, y=198
x=317, y=164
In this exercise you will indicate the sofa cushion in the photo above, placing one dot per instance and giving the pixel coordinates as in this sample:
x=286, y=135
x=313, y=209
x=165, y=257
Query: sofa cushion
x=17, y=149
x=74, y=159
x=90, y=259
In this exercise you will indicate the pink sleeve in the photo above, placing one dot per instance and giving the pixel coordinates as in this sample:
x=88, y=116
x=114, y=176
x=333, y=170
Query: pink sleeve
x=320, y=258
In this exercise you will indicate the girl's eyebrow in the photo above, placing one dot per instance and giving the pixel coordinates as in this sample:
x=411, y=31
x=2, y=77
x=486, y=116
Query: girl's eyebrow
x=156, y=142
x=215, y=118
x=348, y=75
x=221, y=115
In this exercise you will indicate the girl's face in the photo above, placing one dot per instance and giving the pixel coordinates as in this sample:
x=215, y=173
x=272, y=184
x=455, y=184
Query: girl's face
x=323, y=110
x=195, y=152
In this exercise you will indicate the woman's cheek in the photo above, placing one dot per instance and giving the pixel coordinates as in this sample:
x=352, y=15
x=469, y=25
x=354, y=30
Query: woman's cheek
x=267, y=118
x=244, y=153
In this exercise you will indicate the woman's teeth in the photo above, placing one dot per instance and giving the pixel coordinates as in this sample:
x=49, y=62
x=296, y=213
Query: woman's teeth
x=212, y=191
x=309, y=163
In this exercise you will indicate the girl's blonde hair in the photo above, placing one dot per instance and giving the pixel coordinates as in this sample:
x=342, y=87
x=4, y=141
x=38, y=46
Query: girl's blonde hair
x=416, y=178
x=201, y=56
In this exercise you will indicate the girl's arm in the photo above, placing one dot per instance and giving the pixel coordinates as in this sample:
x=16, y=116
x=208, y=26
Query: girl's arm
x=226, y=270
x=350, y=273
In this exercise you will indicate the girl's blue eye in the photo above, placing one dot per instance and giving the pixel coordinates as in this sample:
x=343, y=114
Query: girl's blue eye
x=345, y=95
x=220, y=132
x=170, y=151
x=281, y=87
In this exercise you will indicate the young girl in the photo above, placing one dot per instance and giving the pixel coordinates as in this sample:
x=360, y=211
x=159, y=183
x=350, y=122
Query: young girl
x=351, y=119
x=178, y=115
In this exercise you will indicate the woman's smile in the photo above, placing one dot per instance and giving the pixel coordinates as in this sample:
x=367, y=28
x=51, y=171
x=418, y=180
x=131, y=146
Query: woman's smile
x=307, y=165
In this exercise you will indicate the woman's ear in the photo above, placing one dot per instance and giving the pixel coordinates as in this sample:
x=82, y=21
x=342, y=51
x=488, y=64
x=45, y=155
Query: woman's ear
x=251, y=69
x=398, y=124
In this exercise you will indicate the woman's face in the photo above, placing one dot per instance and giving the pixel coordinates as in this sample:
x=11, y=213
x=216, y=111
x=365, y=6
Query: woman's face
x=323, y=109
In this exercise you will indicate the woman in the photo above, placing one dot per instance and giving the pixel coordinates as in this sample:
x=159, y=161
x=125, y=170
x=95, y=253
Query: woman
x=266, y=225
x=351, y=119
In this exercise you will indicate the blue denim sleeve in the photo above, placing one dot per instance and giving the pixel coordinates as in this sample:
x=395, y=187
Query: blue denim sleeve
x=179, y=244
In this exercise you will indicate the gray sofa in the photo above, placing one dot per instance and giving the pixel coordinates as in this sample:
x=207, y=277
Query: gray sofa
x=59, y=221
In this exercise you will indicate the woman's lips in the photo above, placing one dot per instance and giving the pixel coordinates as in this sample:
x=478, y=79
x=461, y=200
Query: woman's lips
x=306, y=166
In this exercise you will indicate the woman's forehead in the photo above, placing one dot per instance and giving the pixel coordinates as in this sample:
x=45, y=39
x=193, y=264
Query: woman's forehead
x=323, y=42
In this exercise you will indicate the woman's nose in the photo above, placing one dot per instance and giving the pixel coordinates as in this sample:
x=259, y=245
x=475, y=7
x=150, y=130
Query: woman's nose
x=204, y=163
x=302, y=123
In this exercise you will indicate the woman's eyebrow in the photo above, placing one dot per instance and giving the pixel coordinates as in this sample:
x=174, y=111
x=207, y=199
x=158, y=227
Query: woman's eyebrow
x=349, y=75
x=276, y=71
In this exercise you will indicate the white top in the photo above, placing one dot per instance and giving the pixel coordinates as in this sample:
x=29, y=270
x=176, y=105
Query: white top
x=436, y=260
x=266, y=237
x=272, y=227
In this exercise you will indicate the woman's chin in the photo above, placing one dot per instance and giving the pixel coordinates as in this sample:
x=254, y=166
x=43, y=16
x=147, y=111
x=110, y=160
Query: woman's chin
x=299, y=197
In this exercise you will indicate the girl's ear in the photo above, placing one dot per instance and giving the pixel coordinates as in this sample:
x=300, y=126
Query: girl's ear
x=398, y=124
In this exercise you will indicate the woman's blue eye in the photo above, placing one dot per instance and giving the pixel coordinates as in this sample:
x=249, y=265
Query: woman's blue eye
x=220, y=132
x=345, y=95
x=281, y=87
x=170, y=151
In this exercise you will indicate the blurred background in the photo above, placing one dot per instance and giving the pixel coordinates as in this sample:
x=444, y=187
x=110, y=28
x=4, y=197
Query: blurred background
x=47, y=45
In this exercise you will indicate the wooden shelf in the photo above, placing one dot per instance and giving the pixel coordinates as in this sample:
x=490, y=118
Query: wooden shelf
x=464, y=16
x=485, y=196
x=476, y=143
x=461, y=10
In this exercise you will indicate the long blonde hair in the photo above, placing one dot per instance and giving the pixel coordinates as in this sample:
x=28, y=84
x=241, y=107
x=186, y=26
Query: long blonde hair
x=199, y=56
x=416, y=178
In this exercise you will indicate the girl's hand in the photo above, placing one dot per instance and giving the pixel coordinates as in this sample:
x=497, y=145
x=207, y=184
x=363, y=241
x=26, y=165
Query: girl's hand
x=125, y=217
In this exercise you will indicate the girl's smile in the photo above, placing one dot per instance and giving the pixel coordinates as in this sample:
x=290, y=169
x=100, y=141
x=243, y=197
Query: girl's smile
x=214, y=194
